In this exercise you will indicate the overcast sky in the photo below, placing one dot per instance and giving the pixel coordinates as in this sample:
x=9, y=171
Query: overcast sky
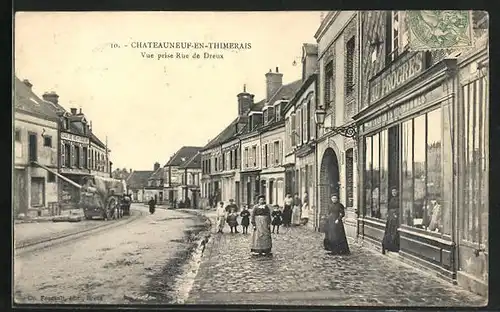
x=149, y=108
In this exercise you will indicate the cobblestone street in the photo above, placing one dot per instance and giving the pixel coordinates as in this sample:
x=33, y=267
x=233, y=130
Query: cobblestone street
x=301, y=272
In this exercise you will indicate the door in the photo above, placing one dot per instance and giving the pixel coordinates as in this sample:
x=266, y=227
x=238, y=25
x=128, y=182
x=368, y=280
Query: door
x=271, y=194
x=20, y=200
x=37, y=192
x=249, y=193
x=237, y=193
x=32, y=147
x=161, y=197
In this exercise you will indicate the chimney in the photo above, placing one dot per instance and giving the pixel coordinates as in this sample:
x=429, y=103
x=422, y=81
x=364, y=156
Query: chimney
x=309, y=59
x=274, y=81
x=27, y=83
x=80, y=113
x=73, y=111
x=156, y=166
x=51, y=97
x=245, y=101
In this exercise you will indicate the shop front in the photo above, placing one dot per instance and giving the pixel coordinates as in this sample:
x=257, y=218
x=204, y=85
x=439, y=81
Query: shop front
x=251, y=187
x=406, y=139
x=306, y=179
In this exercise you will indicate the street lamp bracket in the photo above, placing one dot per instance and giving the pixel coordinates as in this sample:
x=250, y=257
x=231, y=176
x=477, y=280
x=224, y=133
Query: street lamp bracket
x=345, y=131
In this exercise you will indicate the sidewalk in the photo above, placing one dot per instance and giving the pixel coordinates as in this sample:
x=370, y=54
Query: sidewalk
x=302, y=273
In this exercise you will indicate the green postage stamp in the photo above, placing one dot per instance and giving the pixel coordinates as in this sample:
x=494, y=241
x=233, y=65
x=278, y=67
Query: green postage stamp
x=435, y=30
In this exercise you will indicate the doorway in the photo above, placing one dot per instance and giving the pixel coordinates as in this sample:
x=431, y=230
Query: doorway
x=237, y=193
x=37, y=191
x=32, y=148
x=393, y=159
x=271, y=193
x=328, y=180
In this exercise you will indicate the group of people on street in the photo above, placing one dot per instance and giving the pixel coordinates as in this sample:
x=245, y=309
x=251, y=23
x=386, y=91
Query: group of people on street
x=262, y=217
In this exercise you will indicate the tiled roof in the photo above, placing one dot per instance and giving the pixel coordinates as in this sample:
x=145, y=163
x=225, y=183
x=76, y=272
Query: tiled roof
x=26, y=100
x=224, y=135
x=138, y=179
x=193, y=163
x=158, y=174
x=182, y=155
x=287, y=91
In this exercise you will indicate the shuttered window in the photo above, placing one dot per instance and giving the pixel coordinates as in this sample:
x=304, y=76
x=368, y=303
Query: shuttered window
x=292, y=129
x=349, y=67
x=329, y=84
x=298, y=126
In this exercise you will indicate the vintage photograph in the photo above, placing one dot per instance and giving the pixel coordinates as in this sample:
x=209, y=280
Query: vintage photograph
x=308, y=158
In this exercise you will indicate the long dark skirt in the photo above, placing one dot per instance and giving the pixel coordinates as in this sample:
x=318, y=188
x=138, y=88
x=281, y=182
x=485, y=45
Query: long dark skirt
x=391, y=234
x=287, y=215
x=335, y=239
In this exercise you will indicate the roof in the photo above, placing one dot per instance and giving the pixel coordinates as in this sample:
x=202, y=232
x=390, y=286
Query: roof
x=224, y=135
x=138, y=179
x=96, y=140
x=193, y=163
x=183, y=154
x=26, y=100
x=157, y=175
x=299, y=93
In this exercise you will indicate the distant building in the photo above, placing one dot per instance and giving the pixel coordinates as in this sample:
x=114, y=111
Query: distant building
x=136, y=184
x=173, y=172
x=35, y=143
x=155, y=185
x=190, y=181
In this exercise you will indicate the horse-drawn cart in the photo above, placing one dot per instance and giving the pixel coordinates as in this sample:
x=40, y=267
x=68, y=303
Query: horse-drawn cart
x=101, y=197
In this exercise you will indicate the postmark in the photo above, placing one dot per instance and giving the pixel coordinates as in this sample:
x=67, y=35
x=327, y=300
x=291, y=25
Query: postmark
x=435, y=30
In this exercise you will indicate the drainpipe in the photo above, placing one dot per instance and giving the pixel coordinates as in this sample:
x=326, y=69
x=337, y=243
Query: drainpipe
x=359, y=143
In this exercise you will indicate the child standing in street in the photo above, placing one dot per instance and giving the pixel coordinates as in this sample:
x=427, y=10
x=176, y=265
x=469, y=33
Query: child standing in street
x=232, y=220
x=245, y=219
x=277, y=219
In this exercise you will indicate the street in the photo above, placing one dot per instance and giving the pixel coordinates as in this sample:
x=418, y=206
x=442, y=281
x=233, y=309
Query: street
x=137, y=261
x=302, y=273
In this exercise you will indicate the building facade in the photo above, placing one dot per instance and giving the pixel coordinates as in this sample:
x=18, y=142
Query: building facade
x=425, y=134
x=173, y=173
x=137, y=182
x=155, y=186
x=338, y=44
x=35, y=143
x=190, y=181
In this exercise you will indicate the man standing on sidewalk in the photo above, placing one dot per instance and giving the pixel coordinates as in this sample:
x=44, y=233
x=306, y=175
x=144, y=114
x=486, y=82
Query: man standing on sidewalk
x=221, y=217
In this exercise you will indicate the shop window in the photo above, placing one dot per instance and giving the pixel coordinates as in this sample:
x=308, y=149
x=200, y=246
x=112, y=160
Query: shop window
x=475, y=163
x=368, y=176
x=329, y=85
x=375, y=207
x=422, y=193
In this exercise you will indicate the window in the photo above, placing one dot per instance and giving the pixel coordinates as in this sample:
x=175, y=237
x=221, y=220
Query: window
x=329, y=85
x=398, y=34
x=18, y=135
x=254, y=155
x=246, y=157
x=236, y=160
x=422, y=183
x=349, y=75
x=277, y=111
x=266, y=115
x=231, y=159
x=298, y=127
x=476, y=161
x=67, y=155
x=276, y=152
x=216, y=164
x=368, y=175
x=292, y=130
x=85, y=158
x=51, y=178
x=223, y=161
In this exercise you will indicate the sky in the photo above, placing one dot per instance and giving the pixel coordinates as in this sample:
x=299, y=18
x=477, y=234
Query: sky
x=148, y=108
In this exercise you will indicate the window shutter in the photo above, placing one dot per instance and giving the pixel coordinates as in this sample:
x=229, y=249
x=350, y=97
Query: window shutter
x=63, y=156
x=312, y=123
x=88, y=159
x=280, y=159
x=82, y=156
x=271, y=155
x=73, y=156
x=292, y=128
x=304, y=123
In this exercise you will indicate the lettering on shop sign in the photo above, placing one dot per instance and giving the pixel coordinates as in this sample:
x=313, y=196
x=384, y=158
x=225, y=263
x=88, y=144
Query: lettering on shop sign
x=74, y=138
x=404, y=110
x=396, y=76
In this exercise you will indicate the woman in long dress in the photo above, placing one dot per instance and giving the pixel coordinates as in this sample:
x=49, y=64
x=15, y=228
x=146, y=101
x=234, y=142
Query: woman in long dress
x=304, y=218
x=221, y=217
x=335, y=239
x=297, y=210
x=390, y=241
x=287, y=210
x=261, y=221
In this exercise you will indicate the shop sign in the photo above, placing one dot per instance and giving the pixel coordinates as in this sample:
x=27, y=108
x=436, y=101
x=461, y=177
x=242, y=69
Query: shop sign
x=396, y=76
x=74, y=138
x=404, y=110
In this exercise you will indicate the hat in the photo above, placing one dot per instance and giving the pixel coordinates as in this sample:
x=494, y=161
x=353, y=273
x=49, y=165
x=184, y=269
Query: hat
x=261, y=196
